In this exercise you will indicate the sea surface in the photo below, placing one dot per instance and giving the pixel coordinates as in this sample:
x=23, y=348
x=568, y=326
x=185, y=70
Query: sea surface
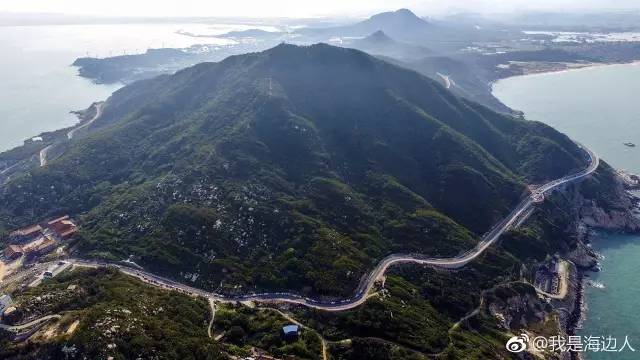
x=38, y=87
x=600, y=108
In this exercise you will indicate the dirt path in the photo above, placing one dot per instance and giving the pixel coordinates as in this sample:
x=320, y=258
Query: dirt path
x=212, y=304
x=72, y=328
x=473, y=313
x=2, y=271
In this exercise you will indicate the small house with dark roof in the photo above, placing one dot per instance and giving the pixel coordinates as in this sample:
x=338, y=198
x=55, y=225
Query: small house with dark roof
x=291, y=332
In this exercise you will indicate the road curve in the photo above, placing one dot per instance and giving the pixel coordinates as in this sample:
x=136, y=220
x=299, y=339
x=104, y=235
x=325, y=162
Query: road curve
x=43, y=155
x=99, y=107
x=367, y=282
x=45, y=152
x=446, y=79
x=29, y=324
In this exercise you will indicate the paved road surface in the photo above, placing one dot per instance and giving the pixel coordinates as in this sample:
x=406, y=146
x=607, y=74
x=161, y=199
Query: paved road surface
x=9, y=168
x=99, y=109
x=29, y=324
x=446, y=79
x=368, y=282
x=2, y=270
x=45, y=152
x=43, y=155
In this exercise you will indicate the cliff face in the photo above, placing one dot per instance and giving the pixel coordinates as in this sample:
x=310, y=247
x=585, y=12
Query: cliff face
x=582, y=256
x=605, y=202
x=614, y=220
x=602, y=201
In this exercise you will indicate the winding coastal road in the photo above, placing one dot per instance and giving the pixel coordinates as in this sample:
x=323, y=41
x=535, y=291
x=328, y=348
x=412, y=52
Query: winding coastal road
x=368, y=281
x=99, y=107
x=44, y=153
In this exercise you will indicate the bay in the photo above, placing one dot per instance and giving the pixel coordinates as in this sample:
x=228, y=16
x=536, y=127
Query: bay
x=598, y=107
x=38, y=85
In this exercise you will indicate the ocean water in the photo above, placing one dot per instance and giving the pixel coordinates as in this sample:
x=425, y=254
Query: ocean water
x=600, y=108
x=38, y=87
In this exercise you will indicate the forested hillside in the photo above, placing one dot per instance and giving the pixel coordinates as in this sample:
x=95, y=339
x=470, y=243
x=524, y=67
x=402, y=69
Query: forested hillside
x=296, y=168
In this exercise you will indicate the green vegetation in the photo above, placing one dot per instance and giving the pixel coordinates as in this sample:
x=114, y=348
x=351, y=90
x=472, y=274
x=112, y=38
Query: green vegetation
x=118, y=316
x=413, y=316
x=297, y=168
x=243, y=328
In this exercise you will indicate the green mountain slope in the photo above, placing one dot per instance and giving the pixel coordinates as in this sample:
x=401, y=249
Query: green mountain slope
x=295, y=168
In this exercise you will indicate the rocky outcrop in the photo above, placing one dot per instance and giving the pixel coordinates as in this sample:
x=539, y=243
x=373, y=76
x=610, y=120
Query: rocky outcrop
x=614, y=220
x=620, y=216
x=607, y=204
x=582, y=256
x=518, y=310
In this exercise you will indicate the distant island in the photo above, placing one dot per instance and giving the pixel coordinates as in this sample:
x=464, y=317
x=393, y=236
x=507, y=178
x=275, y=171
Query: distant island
x=471, y=58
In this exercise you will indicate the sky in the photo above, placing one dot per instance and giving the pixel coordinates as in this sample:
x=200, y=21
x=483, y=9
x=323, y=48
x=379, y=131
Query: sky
x=297, y=8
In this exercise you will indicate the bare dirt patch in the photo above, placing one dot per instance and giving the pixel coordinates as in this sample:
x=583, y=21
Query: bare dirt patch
x=72, y=328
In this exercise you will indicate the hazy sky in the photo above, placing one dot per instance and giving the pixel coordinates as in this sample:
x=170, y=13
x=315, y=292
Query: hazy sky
x=296, y=8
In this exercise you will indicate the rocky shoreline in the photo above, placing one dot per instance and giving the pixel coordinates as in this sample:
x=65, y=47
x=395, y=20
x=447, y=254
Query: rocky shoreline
x=592, y=217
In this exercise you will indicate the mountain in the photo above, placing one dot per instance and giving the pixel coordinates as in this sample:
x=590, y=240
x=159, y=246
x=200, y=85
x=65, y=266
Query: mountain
x=296, y=168
x=401, y=24
x=380, y=43
x=465, y=78
x=378, y=38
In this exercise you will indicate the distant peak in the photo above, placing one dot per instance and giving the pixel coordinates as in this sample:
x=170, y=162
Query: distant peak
x=300, y=54
x=379, y=36
x=404, y=11
x=400, y=15
x=378, y=33
x=287, y=47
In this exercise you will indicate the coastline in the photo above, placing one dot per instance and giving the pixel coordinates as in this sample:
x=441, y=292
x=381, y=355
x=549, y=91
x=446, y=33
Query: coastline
x=578, y=299
x=556, y=71
x=583, y=272
x=579, y=311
